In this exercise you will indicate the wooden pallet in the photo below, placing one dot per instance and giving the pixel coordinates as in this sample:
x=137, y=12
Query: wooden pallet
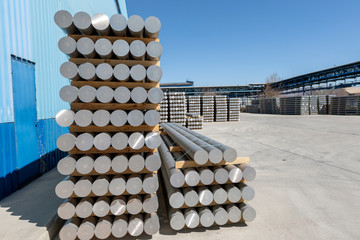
x=93, y=150
x=112, y=39
x=108, y=194
x=110, y=172
x=211, y=204
x=111, y=128
x=114, y=62
x=114, y=84
x=114, y=106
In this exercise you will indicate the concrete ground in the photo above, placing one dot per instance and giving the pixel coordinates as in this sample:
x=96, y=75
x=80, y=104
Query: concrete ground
x=307, y=185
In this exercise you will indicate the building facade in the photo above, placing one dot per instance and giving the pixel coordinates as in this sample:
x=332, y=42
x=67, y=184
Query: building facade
x=30, y=82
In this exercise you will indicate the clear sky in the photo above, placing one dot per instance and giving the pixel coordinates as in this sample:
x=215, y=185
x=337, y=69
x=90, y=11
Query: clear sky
x=237, y=42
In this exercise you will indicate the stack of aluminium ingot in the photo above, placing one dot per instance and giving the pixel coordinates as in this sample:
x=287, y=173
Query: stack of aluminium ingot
x=113, y=137
x=207, y=108
x=193, y=104
x=204, y=181
x=233, y=109
x=194, y=121
x=177, y=107
x=220, y=108
x=164, y=109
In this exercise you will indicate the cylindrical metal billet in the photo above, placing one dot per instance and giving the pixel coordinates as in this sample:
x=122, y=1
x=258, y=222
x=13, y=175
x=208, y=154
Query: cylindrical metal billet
x=65, y=188
x=152, y=162
x=86, y=229
x=207, y=218
x=235, y=173
x=101, y=118
x=155, y=95
x=84, y=165
x=84, y=141
x=117, y=185
x=101, y=185
x=121, y=49
x=134, y=184
x=118, y=118
x=249, y=173
x=154, y=73
x=191, y=197
x=138, y=50
x=64, y=20
x=206, y=175
x=104, y=71
x=220, y=195
x=234, y=213
x=69, y=230
x=152, y=117
x=66, y=165
x=136, y=225
x=87, y=71
x=119, y=141
x=69, y=70
x=118, y=24
x=136, y=140
x=84, y=208
x=65, y=118
x=151, y=224
x=138, y=95
x=199, y=155
x=205, y=195
x=86, y=47
x=136, y=163
x=138, y=73
x=122, y=94
x=103, y=227
x=118, y=205
x=134, y=204
x=87, y=94
x=192, y=218
x=150, y=203
x=104, y=94
x=66, y=142
x=102, y=164
x=122, y=73
x=69, y=93
x=176, y=198
x=220, y=214
x=135, y=118
x=152, y=140
x=83, y=118
x=67, y=45
x=102, y=141
x=221, y=174
x=82, y=22
x=192, y=177
x=152, y=27
x=103, y=48
x=119, y=163
x=120, y=226
x=247, y=192
x=153, y=50
x=101, y=24
x=150, y=183
x=233, y=193
x=136, y=26
x=82, y=187
x=177, y=220
x=248, y=213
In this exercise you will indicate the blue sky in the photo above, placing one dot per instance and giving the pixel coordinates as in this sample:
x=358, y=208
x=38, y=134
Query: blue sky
x=237, y=42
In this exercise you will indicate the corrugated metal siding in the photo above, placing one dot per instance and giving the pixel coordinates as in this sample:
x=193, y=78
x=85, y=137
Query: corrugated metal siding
x=8, y=179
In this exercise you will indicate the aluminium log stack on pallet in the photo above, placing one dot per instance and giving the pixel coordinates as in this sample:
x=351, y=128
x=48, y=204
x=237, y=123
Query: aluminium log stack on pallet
x=221, y=110
x=346, y=105
x=113, y=124
x=164, y=109
x=296, y=105
x=177, y=107
x=204, y=181
x=233, y=109
x=194, y=121
x=269, y=105
x=207, y=108
x=194, y=105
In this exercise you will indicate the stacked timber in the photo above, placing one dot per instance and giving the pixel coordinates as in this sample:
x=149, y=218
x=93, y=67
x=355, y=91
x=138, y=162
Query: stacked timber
x=177, y=107
x=233, y=109
x=114, y=95
x=220, y=108
x=194, y=121
x=207, y=108
x=204, y=181
x=193, y=105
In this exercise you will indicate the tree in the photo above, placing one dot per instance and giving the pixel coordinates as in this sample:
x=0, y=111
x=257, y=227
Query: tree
x=269, y=92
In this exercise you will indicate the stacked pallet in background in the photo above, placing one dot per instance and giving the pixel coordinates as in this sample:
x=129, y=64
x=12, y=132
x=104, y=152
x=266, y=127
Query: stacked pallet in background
x=294, y=105
x=204, y=181
x=269, y=105
x=324, y=104
x=193, y=104
x=347, y=105
x=114, y=94
x=313, y=105
x=177, y=107
x=194, y=121
x=233, y=109
x=221, y=111
x=207, y=108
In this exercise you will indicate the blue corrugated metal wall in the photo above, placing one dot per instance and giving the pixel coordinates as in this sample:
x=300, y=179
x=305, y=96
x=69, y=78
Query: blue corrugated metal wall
x=28, y=31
